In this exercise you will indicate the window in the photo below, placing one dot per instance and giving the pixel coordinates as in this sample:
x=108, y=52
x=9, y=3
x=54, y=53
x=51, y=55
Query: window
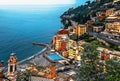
x=11, y=68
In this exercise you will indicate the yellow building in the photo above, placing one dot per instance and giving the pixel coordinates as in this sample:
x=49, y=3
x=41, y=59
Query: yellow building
x=113, y=27
x=74, y=53
x=80, y=29
x=58, y=45
x=109, y=11
x=116, y=0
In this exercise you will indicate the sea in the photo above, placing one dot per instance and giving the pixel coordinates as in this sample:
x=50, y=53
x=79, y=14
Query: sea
x=21, y=25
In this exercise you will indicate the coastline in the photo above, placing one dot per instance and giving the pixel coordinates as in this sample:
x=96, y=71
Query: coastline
x=31, y=57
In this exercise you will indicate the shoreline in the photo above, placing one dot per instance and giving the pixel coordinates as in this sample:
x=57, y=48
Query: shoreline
x=31, y=57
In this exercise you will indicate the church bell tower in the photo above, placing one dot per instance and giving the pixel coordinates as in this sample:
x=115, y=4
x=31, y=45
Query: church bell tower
x=12, y=67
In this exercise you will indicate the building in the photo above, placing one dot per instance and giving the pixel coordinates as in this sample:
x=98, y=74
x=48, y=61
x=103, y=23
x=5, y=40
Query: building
x=65, y=54
x=63, y=46
x=116, y=0
x=36, y=78
x=113, y=19
x=48, y=72
x=58, y=45
x=63, y=31
x=113, y=27
x=52, y=73
x=1, y=70
x=59, y=41
x=110, y=11
x=74, y=53
x=97, y=1
x=89, y=23
x=97, y=28
x=59, y=37
x=80, y=30
x=55, y=38
x=12, y=67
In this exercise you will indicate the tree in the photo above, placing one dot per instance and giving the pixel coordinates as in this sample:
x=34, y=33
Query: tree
x=90, y=59
x=113, y=69
x=94, y=69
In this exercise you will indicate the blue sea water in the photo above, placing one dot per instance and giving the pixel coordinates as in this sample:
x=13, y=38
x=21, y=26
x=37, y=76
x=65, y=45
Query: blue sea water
x=22, y=25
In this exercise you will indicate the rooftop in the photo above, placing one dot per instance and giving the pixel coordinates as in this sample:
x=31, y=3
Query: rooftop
x=34, y=78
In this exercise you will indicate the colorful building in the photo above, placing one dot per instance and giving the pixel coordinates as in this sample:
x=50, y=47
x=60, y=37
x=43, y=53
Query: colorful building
x=48, y=72
x=12, y=67
x=112, y=19
x=74, y=53
x=58, y=45
x=113, y=27
x=1, y=70
x=97, y=28
x=80, y=30
x=110, y=11
x=63, y=46
x=116, y=0
x=55, y=38
x=63, y=31
x=59, y=41
x=52, y=73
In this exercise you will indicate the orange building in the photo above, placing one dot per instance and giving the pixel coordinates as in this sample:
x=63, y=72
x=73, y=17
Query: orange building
x=55, y=38
x=80, y=29
x=60, y=45
x=63, y=31
x=52, y=73
x=110, y=11
x=1, y=70
x=12, y=67
x=63, y=46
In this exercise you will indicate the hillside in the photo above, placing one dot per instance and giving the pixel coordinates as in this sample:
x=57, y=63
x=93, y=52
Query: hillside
x=85, y=12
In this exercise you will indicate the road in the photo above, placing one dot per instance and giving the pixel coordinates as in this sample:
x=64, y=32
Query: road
x=102, y=36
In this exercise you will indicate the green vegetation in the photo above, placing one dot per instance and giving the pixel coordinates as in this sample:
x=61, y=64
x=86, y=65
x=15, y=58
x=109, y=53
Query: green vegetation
x=84, y=13
x=94, y=69
x=89, y=62
x=114, y=47
x=94, y=41
x=24, y=76
x=113, y=69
